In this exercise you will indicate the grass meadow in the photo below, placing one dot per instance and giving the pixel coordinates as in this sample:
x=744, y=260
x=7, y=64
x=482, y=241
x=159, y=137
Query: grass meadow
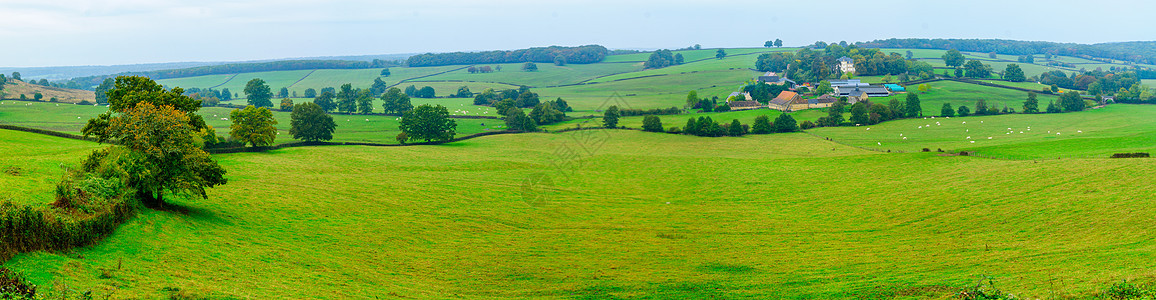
x=1116, y=128
x=32, y=164
x=636, y=216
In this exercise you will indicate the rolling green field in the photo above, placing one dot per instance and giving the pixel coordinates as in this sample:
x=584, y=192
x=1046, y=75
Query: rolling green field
x=638, y=216
x=744, y=116
x=966, y=94
x=350, y=128
x=1119, y=128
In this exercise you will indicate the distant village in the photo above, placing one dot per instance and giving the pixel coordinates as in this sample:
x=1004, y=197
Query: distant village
x=791, y=100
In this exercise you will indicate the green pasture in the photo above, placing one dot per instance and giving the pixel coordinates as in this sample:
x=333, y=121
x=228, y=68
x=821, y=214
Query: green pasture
x=350, y=128
x=445, y=89
x=745, y=62
x=1149, y=82
x=546, y=75
x=632, y=215
x=297, y=81
x=692, y=55
x=1119, y=128
x=966, y=94
x=651, y=92
x=32, y=164
x=746, y=117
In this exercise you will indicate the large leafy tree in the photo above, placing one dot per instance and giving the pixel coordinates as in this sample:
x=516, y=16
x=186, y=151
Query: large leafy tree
x=785, y=123
x=395, y=102
x=652, y=124
x=253, y=125
x=953, y=58
x=976, y=69
x=365, y=101
x=310, y=123
x=1071, y=101
x=1032, y=104
x=325, y=100
x=102, y=90
x=428, y=123
x=1013, y=73
x=610, y=117
x=155, y=130
x=258, y=93
x=947, y=111
x=762, y=125
x=914, y=109
x=347, y=98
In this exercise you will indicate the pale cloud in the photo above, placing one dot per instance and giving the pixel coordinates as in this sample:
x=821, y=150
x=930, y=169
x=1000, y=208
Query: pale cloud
x=73, y=32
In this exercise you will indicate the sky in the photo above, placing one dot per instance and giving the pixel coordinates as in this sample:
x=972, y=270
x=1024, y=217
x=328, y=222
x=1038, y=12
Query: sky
x=75, y=32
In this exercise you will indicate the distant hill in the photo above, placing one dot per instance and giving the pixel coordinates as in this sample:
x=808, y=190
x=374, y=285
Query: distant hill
x=1138, y=52
x=13, y=89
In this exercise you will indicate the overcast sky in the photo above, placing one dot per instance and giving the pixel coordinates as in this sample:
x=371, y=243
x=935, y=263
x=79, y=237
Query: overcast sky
x=75, y=32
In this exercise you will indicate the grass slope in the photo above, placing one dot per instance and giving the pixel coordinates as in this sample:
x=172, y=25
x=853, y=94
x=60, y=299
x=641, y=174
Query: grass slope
x=32, y=165
x=783, y=216
x=13, y=89
x=1100, y=133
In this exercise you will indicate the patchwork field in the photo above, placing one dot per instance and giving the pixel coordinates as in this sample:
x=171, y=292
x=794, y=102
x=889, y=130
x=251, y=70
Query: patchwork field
x=362, y=222
x=966, y=94
x=350, y=128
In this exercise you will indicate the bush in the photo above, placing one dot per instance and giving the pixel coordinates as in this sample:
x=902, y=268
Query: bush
x=806, y=125
x=674, y=130
x=12, y=286
x=652, y=124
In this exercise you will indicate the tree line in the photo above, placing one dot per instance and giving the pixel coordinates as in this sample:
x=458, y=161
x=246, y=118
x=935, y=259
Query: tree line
x=576, y=55
x=285, y=65
x=1139, y=52
x=809, y=65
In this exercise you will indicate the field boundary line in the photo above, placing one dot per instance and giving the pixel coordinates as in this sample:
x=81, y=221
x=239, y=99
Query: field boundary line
x=424, y=76
x=226, y=81
x=302, y=78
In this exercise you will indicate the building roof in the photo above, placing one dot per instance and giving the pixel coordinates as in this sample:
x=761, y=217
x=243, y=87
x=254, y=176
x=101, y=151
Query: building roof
x=787, y=95
x=846, y=59
x=894, y=87
x=826, y=99
x=872, y=90
x=743, y=104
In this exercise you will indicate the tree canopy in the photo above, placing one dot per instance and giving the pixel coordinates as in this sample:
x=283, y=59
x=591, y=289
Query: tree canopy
x=155, y=128
x=429, y=123
x=253, y=125
x=258, y=93
x=309, y=123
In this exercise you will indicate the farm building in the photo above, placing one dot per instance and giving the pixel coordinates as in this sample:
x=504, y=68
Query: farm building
x=856, y=95
x=745, y=105
x=847, y=83
x=744, y=96
x=785, y=101
x=870, y=90
x=894, y=88
x=772, y=78
x=847, y=65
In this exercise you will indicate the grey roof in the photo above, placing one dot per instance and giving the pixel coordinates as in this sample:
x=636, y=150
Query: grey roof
x=870, y=90
x=741, y=104
x=847, y=59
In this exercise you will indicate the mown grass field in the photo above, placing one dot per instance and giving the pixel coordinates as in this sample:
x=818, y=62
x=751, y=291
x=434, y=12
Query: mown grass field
x=32, y=164
x=640, y=215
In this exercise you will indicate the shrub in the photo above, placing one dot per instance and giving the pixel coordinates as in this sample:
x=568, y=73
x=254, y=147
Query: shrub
x=12, y=286
x=674, y=130
x=806, y=125
x=652, y=124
